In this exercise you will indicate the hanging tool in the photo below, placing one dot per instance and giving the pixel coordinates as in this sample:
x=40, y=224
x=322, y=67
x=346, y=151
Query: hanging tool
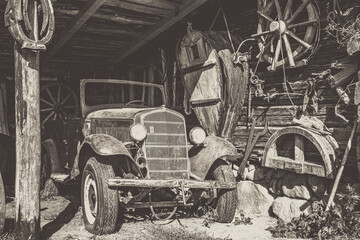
x=250, y=146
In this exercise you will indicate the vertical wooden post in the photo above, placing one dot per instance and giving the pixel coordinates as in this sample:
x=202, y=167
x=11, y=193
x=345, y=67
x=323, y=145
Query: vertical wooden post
x=28, y=143
x=164, y=74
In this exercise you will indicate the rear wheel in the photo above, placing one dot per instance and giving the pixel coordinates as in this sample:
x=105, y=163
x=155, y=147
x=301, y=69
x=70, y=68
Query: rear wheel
x=100, y=205
x=226, y=201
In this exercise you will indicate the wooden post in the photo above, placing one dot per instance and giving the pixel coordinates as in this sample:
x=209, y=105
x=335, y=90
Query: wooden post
x=28, y=142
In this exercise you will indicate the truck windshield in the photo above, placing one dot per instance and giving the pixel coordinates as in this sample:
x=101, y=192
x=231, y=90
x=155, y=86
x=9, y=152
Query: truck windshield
x=131, y=95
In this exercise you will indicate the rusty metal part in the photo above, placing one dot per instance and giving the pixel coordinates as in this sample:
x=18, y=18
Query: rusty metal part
x=102, y=144
x=202, y=158
x=17, y=11
x=155, y=215
x=250, y=146
x=186, y=183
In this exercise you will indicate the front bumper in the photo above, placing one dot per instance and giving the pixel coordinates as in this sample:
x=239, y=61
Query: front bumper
x=181, y=183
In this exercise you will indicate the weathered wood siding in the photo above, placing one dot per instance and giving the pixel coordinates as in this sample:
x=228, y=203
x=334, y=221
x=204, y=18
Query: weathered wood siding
x=278, y=111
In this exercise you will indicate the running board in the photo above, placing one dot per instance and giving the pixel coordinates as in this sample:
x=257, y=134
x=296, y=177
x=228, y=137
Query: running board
x=150, y=183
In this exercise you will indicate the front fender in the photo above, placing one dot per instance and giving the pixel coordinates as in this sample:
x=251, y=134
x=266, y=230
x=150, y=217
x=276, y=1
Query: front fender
x=202, y=158
x=101, y=144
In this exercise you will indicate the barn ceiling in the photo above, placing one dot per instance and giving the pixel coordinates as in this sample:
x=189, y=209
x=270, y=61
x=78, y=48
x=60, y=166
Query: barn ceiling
x=101, y=32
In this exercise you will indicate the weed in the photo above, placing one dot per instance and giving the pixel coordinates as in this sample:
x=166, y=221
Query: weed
x=340, y=222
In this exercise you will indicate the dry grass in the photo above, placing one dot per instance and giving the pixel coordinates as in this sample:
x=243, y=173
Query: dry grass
x=171, y=233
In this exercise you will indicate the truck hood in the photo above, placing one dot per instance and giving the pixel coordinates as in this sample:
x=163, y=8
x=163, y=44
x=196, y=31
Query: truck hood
x=116, y=113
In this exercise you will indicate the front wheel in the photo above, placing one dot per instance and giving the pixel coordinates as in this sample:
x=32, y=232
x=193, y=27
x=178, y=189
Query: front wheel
x=225, y=204
x=100, y=204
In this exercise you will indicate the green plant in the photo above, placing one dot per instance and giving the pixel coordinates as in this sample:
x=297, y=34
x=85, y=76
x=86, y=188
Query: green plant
x=340, y=222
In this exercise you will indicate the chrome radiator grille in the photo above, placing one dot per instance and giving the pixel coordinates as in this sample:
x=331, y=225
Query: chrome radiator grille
x=165, y=146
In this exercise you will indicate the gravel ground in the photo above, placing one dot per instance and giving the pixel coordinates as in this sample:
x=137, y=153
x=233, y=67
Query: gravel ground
x=61, y=218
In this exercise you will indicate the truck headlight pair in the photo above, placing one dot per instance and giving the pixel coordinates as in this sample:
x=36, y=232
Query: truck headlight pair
x=138, y=133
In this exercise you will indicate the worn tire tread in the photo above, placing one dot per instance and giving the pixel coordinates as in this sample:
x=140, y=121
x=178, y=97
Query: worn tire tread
x=106, y=220
x=226, y=203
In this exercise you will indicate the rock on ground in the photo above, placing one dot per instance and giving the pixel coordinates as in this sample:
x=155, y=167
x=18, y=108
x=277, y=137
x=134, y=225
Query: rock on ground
x=286, y=208
x=253, y=198
x=295, y=186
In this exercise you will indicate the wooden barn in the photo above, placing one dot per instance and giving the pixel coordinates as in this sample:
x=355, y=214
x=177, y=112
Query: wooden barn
x=276, y=79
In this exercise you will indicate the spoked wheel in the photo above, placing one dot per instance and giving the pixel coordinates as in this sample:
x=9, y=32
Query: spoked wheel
x=100, y=205
x=226, y=201
x=57, y=101
x=287, y=30
x=2, y=206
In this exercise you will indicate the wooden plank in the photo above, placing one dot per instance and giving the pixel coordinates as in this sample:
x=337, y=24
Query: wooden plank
x=155, y=31
x=138, y=7
x=84, y=14
x=299, y=148
x=110, y=17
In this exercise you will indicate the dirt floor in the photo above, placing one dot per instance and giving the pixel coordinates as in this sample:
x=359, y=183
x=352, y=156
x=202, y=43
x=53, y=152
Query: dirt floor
x=61, y=218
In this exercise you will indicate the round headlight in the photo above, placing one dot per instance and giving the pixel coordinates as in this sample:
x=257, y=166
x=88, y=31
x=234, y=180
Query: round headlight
x=138, y=132
x=197, y=135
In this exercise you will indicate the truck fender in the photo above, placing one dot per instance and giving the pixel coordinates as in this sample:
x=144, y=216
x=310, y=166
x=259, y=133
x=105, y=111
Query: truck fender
x=101, y=144
x=203, y=157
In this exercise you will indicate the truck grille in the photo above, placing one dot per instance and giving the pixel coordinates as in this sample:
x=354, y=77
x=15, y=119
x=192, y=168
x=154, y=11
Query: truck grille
x=116, y=128
x=165, y=146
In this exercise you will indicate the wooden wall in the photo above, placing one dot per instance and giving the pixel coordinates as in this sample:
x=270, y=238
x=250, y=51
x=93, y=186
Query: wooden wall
x=279, y=110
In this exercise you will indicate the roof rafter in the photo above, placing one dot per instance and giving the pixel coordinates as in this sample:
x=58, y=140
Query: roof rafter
x=74, y=26
x=156, y=30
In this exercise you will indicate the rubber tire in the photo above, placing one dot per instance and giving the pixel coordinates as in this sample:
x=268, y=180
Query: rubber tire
x=108, y=202
x=226, y=202
x=2, y=206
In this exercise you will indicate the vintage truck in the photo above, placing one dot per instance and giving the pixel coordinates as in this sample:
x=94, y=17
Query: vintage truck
x=134, y=152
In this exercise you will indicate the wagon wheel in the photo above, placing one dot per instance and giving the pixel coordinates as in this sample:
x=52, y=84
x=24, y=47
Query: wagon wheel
x=57, y=101
x=289, y=23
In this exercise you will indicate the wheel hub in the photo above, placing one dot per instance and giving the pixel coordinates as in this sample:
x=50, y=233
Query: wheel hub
x=58, y=108
x=278, y=26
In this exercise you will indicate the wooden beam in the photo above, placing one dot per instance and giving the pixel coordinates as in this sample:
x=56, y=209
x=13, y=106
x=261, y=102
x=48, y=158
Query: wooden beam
x=162, y=26
x=84, y=14
x=28, y=135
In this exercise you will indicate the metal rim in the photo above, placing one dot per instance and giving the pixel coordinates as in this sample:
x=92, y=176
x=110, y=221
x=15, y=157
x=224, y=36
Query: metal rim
x=90, y=198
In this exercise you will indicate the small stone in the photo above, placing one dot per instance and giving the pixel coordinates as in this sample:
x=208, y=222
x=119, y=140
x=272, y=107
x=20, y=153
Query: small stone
x=286, y=208
x=317, y=185
x=253, y=198
x=295, y=186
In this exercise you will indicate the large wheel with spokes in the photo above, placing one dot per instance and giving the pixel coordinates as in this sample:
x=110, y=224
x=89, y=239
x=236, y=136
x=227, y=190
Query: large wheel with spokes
x=287, y=30
x=57, y=101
